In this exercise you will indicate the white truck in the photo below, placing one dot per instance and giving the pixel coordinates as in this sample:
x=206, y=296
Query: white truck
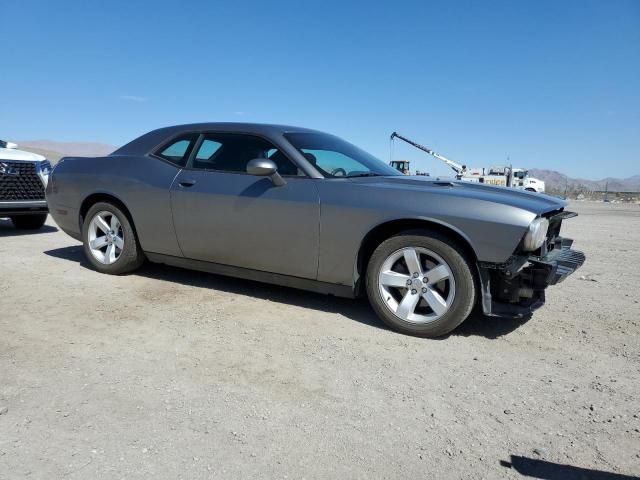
x=503, y=176
x=23, y=179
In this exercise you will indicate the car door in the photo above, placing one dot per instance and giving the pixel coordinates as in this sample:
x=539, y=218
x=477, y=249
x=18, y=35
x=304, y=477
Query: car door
x=224, y=215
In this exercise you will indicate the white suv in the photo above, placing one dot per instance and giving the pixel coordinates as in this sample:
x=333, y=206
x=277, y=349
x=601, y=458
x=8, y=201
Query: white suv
x=23, y=179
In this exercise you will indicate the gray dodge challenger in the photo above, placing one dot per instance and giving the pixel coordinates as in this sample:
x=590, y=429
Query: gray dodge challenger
x=306, y=209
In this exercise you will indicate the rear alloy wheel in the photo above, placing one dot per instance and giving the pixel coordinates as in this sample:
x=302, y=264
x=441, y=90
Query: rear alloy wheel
x=421, y=284
x=29, y=222
x=110, y=243
x=106, y=238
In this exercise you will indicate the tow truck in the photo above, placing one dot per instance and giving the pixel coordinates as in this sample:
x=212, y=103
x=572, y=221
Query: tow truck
x=404, y=166
x=503, y=176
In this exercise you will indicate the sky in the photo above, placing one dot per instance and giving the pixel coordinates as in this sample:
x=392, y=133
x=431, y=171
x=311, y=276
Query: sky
x=548, y=84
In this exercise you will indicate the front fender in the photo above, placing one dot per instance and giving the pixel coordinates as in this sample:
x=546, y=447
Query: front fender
x=350, y=211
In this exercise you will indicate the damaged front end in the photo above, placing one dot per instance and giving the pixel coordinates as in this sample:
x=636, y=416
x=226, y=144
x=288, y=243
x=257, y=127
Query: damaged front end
x=517, y=287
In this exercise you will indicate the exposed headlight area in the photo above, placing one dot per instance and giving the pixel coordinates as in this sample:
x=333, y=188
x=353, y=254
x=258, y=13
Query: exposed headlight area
x=536, y=234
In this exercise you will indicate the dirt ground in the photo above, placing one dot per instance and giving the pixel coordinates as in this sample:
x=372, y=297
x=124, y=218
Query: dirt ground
x=172, y=374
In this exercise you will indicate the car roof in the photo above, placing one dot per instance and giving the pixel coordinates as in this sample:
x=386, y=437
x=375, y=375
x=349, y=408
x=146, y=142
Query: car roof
x=147, y=142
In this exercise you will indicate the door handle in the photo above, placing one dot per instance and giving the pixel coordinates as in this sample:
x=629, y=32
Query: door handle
x=187, y=183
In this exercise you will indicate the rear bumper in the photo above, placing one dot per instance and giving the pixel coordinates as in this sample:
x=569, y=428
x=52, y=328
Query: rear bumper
x=517, y=288
x=31, y=207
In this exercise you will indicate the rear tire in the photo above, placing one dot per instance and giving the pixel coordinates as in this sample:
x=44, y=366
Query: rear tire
x=433, y=302
x=109, y=240
x=29, y=222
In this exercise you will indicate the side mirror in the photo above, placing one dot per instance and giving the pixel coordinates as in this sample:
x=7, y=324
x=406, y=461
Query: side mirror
x=263, y=167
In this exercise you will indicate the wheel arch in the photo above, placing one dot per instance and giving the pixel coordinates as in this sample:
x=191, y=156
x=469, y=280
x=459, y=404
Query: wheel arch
x=97, y=197
x=385, y=230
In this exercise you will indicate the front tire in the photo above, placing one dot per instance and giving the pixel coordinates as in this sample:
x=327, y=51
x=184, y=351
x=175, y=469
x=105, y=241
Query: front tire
x=29, y=222
x=110, y=243
x=421, y=283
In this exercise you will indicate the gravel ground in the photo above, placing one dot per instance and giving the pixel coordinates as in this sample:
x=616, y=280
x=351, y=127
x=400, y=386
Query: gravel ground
x=174, y=374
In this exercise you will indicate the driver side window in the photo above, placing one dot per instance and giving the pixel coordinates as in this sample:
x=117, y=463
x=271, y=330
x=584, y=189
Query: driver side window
x=334, y=163
x=226, y=152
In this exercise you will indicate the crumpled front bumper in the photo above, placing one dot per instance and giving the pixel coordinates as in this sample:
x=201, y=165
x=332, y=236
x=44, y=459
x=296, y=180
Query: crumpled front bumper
x=560, y=262
x=517, y=288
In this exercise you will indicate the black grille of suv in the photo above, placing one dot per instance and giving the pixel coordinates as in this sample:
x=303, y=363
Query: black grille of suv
x=19, y=181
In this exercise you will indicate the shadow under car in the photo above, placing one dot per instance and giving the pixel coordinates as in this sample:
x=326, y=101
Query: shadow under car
x=358, y=310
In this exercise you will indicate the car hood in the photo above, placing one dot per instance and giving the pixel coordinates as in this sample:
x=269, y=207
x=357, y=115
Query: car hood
x=19, y=155
x=537, y=203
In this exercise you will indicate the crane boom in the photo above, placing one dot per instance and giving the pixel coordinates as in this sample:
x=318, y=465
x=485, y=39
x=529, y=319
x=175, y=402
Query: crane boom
x=506, y=176
x=456, y=167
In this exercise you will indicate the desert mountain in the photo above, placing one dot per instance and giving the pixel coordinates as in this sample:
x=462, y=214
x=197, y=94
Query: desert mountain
x=556, y=181
x=55, y=150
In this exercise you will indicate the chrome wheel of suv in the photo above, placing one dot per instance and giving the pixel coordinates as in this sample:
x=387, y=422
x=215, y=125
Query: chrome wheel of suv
x=106, y=237
x=417, y=285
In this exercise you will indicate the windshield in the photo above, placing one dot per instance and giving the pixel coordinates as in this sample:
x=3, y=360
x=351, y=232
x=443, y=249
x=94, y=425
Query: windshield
x=520, y=173
x=333, y=157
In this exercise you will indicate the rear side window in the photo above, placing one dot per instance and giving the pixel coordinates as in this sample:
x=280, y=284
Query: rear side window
x=178, y=150
x=207, y=149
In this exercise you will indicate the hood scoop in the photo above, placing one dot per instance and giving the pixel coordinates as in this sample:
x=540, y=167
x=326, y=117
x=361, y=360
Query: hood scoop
x=441, y=183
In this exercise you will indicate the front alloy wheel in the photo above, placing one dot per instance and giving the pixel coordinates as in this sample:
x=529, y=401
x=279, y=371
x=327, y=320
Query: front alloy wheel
x=417, y=285
x=421, y=283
